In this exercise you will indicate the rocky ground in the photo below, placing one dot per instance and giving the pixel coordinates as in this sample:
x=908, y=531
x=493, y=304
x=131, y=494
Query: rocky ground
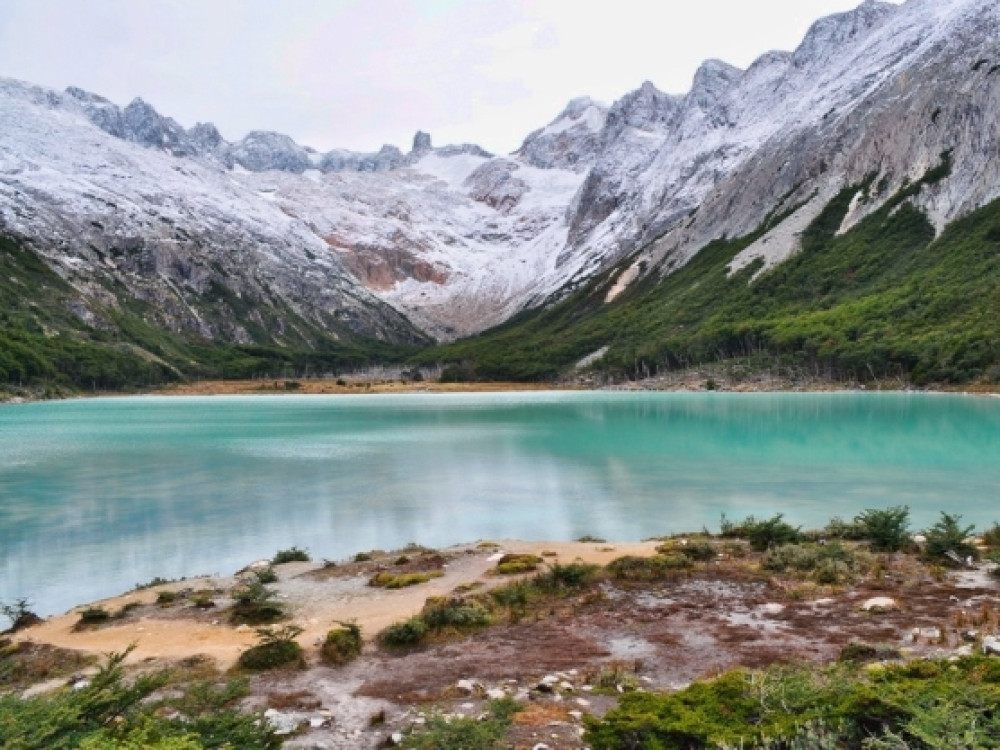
x=562, y=658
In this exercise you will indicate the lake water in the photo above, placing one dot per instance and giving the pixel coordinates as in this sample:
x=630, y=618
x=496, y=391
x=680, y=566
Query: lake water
x=99, y=495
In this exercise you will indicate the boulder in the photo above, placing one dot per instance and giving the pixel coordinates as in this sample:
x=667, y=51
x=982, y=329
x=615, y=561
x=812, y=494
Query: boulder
x=880, y=604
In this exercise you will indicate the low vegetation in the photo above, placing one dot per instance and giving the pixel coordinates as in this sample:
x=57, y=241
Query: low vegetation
x=255, y=604
x=276, y=649
x=886, y=302
x=109, y=711
x=293, y=554
x=342, y=645
x=922, y=704
x=388, y=580
x=483, y=733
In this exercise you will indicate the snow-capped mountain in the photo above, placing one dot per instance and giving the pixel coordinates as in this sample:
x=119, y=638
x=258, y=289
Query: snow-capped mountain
x=457, y=239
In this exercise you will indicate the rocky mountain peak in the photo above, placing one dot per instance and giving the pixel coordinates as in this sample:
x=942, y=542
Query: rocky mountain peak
x=262, y=150
x=422, y=143
x=712, y=80
x=828, y=34
x=646, y=108
x=571, y=141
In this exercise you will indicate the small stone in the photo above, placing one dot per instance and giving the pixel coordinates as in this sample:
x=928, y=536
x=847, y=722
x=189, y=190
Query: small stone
x=582, y=702
x=970, y=635
x=772, y=608
x=578, y=715
x=396, y=738
x=467, y=686
x=567, y=686
x=587, y=688
x=495, y=694
x=420, y=721
x=540, y=746
x=549, y=679
x=467, y=706
x=965, y=650
x=991, y=645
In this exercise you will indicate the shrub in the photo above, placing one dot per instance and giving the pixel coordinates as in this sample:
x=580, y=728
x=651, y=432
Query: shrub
x=389, y=580
x=20, y=615
x=947, y=536
x=762, y=534
x=342, y=645
x=266, y=575
x=91, y=617
x=991, y=537
x=406, y=633
x=482, y=733
x=589, y=538
x=636, y=568
x=454, y=612
x=255, y=604
x=276, y=648
x=568, y=576
x=362, y=557
x=888, y=528
x=294, y=554
x=699, y=550
x=838, y=528
x=166, y=598
x=514, y=564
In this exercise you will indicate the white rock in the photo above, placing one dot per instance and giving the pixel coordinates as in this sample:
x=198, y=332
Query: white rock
x=879, y=603
x=991, y=645
x=540, y=746
x=564, y=685
x=468, y=706
x=578, y=715
x=496, y=557
x=466, y=685
x=772, y=608
x=495, y=694
x=397, y=738
x=582, y=702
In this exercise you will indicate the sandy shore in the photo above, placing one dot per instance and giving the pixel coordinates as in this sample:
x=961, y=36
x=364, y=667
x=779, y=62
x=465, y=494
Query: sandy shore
x=316, y=602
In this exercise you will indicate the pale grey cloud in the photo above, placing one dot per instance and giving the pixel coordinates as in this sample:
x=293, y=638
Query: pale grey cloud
x=359, y=73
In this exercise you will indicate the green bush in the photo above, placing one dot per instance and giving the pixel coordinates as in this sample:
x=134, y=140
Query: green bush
x=93, y=616
x=636, y=568
x=255, y=604
x=294, y=554
x=886, y=528
x=112, y=713
x=406, y=633
x=166, y=598
x=387, y=580
x=699, y=550
x=20, y=615
x=484, y=733
x=923, y=704
x=514, y=564
x=947, y=536
x=276, y=649
x=569, y=576
x=342, y=645
x=825, y=563
x=266, y=575
x=454, y=612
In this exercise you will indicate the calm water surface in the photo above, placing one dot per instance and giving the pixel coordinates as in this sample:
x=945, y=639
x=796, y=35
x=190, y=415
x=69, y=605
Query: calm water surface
x=98, y=495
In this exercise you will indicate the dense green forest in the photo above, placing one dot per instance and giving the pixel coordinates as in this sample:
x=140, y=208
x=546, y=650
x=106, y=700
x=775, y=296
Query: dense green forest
x=886, y=299
x=44, y=345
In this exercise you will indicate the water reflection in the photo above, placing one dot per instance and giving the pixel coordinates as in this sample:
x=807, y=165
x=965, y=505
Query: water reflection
x=96, y=496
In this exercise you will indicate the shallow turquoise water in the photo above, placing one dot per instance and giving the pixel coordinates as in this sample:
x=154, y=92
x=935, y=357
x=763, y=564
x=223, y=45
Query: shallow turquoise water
x=98, y=495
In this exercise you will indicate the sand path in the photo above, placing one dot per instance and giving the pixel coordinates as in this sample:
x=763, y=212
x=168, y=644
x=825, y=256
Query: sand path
x=316, y=605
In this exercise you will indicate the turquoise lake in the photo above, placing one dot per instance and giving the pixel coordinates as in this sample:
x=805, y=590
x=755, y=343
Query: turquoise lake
x=99, y=495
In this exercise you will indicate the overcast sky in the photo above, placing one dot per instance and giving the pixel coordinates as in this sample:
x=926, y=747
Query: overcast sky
x=360, y=73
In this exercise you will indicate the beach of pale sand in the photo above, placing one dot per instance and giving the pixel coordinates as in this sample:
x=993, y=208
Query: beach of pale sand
x=315, y=603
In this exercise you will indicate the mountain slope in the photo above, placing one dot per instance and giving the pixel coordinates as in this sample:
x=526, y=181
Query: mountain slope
x=885, y=299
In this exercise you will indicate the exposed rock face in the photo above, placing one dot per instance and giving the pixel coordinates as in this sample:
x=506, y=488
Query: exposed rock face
x=572, y=141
